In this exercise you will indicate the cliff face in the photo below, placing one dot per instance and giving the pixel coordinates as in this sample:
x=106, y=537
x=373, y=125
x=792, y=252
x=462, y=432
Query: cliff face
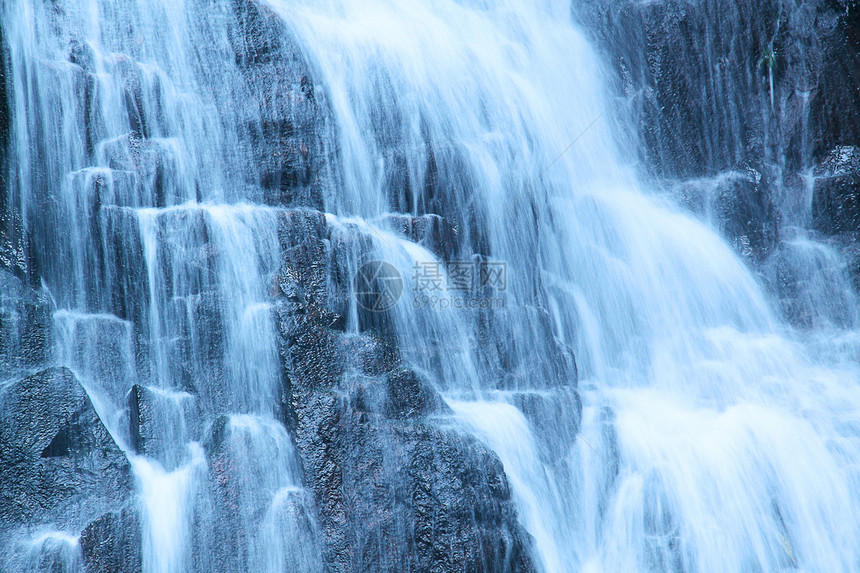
x=398, y=487
x=749, y=118
x=744, y=110
x=390, y=482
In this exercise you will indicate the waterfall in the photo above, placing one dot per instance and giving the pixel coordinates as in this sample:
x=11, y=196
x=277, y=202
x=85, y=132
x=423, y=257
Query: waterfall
x=712, y=437
x=651, y=407
x=159, y=270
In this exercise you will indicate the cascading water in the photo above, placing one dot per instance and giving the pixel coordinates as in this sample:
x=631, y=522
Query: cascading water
x=719, y=442
x=701, y=433
x=159, y=273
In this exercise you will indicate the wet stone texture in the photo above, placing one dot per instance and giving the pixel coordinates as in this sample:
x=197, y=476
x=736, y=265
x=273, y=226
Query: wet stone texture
x=58, y=464
x=393, y=483
x=723, y=90
x=397, y=486
x=836, y=203
x=289, y=121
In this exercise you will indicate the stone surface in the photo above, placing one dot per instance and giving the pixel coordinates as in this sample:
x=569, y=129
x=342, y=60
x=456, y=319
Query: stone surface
x=430, y=231
x=398, y=487
x=15, y=255
x=253, y=501
x=161, y=423
x=289, y=121
x=737, y=103
x=836, y=199
x=58, y=463
x=112, y=543
x=713, y=84
x=737, y=204
x=835, y=109
x=25, y=326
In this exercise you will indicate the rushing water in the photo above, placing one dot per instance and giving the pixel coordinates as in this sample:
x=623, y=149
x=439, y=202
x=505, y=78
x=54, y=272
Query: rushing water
x=734, y=444
x=707, y=436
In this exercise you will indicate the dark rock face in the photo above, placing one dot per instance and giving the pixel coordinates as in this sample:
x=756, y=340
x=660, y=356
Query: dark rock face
x=736, y=103
x=835, y=117
x=53, y=437
x=737, y=203
x=397, y=491
x=836, y=202
x=112, y=543
x=714, y=84
x=398, y=487
x=430, y=231
x=25, y=326
x=287, y=132
x=14, y=252
x=58, y=463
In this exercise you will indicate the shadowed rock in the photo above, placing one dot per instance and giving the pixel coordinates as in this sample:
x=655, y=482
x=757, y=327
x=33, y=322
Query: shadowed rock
x=430, y=231
x=161, y=424
x=289, y=119
x=112, y=543
x=59, y=463
x=25, y=326
x=398, y=487
x=737, y=203
x=836, y=200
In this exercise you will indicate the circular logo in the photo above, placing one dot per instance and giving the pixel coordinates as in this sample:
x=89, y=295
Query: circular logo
x=378, y=286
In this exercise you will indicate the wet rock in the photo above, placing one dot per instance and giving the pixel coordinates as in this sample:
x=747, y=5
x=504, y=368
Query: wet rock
x=812, y=283
x=302, y=236
x=150, y=166
x=161, y=423
x=408, y=396
x=58, y=461
x=14, y=254
x=10, y=235
x=4, y=103
x=746, y=215
x=289, y=121
x=553, y=415
x=739, y=205
x=14, y=251
x=835, y=109
x=715, y=84
x=836, y=197
x=516, y=359
x=25, y=326
x=396, y=488
x=82, y=54
x=430, y=231
x=112, y=543
x=253, y=500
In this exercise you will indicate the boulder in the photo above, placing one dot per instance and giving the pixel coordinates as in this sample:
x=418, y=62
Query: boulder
x=113, y=543
x=58, y=462
x=397, y=486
